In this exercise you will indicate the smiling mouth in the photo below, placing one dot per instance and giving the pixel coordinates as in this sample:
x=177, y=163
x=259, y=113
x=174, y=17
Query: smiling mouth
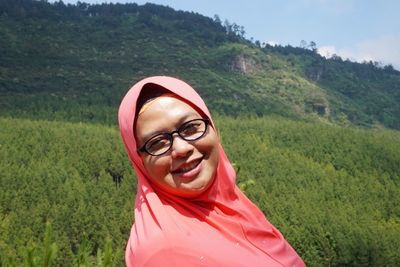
x=188, y=167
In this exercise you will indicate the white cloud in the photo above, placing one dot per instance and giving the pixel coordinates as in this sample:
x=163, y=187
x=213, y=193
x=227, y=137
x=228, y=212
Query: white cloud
x=384, y=49
x=327, y=51
x=272, y=43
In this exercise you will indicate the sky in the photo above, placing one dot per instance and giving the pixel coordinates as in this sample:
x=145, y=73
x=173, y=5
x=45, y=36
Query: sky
x=355, y=29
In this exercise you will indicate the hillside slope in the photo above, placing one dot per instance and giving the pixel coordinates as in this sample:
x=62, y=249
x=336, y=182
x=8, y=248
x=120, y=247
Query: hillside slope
x=74, y=63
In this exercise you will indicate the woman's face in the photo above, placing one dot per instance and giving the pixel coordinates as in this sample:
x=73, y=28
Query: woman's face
x=188, y=168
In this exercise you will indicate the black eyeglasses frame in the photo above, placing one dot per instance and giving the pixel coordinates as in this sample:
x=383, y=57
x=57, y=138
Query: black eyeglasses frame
x=170, y=136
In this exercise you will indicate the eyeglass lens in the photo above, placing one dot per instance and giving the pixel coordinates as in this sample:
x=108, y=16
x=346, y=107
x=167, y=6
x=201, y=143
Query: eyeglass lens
x=189, y=131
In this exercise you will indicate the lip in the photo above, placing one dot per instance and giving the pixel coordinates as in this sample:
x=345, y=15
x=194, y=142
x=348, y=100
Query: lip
x=190, y=173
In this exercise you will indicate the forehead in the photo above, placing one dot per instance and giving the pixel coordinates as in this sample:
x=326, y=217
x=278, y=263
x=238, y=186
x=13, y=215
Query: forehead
x=163, y=114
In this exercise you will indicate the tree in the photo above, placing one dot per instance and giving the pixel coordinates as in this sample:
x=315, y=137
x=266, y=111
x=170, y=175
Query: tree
x=227, y=26
x=217, y=19
x=242, y=31
x=303, y=44
x=313, y=46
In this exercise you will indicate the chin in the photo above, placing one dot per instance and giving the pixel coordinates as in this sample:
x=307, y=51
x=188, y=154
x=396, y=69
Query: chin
x=202, y=185
x=192, y=190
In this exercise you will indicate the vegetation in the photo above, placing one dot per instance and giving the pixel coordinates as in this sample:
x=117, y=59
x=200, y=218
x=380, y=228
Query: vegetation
x=74, y=62
x=331, y=191
x=75, y=176
x=284, y=114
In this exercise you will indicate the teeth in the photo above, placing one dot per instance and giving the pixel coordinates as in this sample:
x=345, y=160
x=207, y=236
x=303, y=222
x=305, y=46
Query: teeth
x=188, y=167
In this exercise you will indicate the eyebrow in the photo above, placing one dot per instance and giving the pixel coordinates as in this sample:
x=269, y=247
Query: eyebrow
x=177, y=125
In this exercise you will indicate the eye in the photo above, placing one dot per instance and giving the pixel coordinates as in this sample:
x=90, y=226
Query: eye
x=191, y=128
x=157, y=142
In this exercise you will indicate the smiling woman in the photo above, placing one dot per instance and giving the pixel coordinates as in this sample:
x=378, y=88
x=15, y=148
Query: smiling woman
x=188, y=210
x=183, y=164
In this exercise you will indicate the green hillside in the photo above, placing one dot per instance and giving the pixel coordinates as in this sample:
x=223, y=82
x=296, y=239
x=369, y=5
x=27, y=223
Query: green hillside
x=74, y=63
x=333, y=192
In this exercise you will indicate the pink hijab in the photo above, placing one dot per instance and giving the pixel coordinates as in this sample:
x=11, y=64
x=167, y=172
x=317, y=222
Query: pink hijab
x=221, y=227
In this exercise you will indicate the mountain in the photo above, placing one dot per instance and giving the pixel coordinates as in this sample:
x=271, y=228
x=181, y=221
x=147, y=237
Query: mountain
x=75, y=62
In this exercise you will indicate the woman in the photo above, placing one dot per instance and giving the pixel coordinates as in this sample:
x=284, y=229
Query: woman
x=188, y=210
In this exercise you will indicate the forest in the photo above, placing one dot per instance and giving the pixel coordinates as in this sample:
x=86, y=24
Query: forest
x=314, y=141
x=332, y=191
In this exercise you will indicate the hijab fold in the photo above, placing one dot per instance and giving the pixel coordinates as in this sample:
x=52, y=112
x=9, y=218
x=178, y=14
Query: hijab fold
x=221, y=227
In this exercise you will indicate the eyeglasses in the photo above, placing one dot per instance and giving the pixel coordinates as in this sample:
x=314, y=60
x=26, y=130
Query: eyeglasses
x=189, y=131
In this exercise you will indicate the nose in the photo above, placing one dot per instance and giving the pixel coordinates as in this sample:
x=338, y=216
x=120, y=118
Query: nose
x=180, y=147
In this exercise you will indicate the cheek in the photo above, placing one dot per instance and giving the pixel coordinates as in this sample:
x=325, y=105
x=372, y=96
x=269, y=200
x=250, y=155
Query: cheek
x=215, y=156
x=211, y=149
x=157, y=168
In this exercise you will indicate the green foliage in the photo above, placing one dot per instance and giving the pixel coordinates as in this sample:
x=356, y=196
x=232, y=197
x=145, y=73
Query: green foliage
x=36, y=256
x=106, y=259
x=77, y=176
x=50, y=249
x=83, y=257
x=366, y=93
x=330, y=190
x=75, y=62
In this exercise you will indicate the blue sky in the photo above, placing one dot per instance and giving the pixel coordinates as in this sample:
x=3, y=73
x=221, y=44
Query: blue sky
x=355, y=29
